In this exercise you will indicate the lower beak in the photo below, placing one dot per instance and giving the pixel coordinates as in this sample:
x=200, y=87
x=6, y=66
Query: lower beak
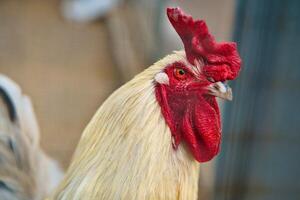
x=220, y=89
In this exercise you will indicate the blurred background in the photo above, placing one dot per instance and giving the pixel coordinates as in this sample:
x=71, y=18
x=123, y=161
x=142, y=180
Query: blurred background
x=69, y=55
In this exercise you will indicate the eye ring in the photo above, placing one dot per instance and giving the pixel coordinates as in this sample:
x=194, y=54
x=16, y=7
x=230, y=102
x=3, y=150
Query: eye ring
x=180, y=73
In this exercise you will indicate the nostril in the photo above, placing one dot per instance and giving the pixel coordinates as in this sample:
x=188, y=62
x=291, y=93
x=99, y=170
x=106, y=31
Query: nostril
x=211, y=79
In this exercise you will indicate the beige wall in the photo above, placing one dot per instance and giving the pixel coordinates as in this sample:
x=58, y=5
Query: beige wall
x=65, y=68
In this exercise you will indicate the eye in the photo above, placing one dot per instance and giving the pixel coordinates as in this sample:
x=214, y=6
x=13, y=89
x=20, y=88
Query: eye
x=179, y=73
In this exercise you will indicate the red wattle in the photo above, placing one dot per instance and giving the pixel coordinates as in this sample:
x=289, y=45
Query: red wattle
x=195, y=120
x=201, y=130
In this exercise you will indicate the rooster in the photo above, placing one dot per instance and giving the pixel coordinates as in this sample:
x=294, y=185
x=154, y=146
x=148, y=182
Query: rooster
x=148, y=137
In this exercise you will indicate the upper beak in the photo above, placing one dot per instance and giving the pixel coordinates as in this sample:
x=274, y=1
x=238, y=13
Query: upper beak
x=220, y=89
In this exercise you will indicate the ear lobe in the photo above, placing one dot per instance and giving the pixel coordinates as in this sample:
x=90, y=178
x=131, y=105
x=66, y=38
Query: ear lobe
x=162, y=78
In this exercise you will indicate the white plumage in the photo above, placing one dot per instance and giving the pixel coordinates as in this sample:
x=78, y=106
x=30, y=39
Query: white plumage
x=126, y=150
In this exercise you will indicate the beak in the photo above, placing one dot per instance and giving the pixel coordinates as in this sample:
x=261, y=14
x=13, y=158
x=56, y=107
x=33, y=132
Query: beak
x=221, y=90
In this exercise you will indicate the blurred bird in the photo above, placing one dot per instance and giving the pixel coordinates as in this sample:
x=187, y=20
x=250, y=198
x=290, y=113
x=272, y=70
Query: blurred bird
x=26, y=172
x=145, y=140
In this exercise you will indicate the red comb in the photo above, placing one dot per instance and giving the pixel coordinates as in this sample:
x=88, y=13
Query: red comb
x=222, y=61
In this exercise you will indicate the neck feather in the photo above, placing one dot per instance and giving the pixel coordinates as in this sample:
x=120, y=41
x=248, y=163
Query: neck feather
x=128, y=143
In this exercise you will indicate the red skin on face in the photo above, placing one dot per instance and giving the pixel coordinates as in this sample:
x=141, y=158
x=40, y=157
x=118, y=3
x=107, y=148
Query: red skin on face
x=192, y=115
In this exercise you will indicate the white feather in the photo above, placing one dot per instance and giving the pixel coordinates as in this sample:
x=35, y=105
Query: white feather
x=126, y=150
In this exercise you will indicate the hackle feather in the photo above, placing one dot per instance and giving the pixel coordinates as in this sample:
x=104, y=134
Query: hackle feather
x=126, y=150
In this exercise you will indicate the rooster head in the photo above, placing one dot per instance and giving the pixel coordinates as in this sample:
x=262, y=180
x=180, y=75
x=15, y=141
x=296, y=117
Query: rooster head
x=186, y=90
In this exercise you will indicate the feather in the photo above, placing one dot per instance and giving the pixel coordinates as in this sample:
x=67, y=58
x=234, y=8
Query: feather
x=126, y=151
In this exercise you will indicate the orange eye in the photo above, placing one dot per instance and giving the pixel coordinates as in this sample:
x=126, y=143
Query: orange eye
x=180, y=73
